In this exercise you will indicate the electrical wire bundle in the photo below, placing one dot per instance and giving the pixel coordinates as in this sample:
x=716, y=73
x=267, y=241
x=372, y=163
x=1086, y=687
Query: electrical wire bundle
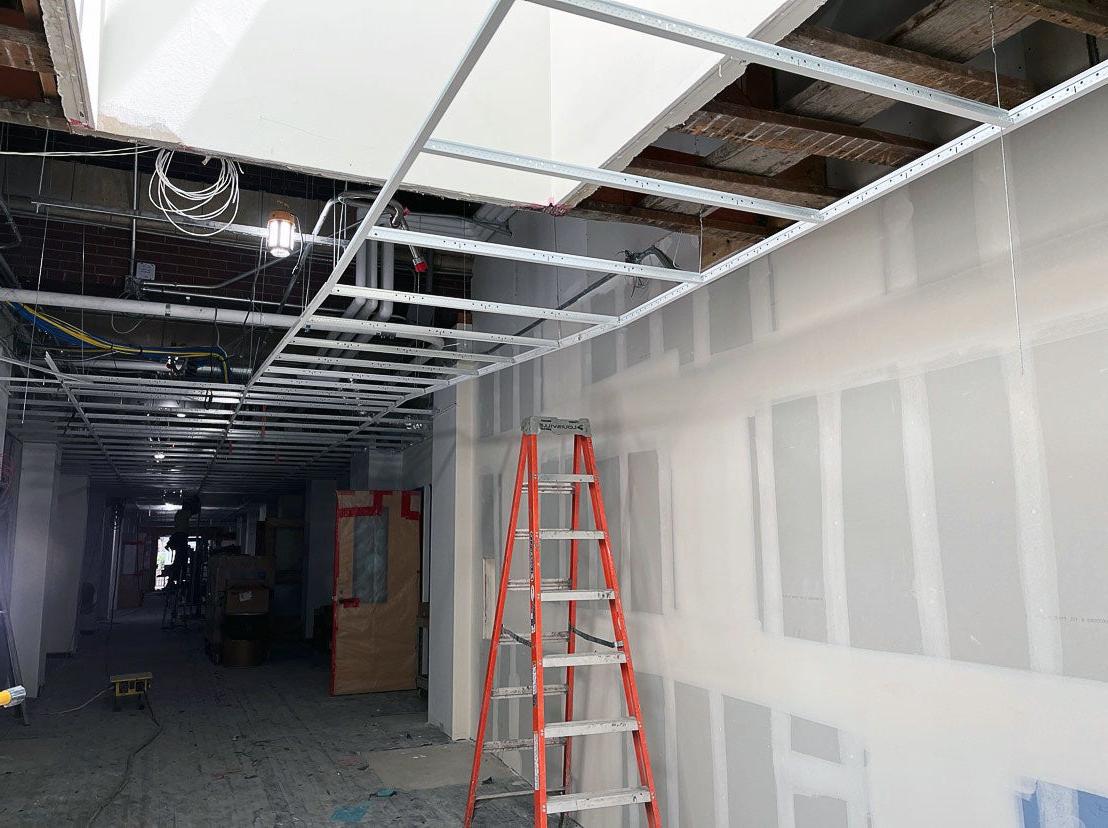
x=66, y=334
x=204, y=204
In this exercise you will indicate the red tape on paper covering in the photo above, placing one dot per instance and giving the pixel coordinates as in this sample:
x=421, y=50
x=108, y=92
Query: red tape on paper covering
x=364, y=511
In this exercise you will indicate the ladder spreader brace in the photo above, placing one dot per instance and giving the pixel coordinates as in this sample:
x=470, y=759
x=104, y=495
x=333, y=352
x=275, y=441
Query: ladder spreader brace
x=585, y=479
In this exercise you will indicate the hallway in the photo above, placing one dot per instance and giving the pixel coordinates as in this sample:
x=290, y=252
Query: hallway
x=257, y=746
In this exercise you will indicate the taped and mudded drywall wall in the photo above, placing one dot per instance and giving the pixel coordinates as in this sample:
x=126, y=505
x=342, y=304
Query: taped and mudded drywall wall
x=869, y=508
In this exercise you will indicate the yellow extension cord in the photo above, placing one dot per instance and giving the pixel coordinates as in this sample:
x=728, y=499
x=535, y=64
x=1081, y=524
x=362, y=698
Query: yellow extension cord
x=103, y=345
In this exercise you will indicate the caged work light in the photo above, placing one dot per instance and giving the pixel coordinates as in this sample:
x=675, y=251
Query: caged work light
x=281, y=233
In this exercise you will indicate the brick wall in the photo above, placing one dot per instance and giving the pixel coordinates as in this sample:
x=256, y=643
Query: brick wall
x=98, y=259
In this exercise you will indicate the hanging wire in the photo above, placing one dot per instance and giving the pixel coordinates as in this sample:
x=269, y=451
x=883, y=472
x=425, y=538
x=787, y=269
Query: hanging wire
x=204, y=204
x=1007, y=193
x=557, y=271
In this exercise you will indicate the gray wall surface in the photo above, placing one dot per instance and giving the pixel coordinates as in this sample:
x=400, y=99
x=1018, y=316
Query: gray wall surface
x=63, y=569
x=319, y=531
x=865, y=566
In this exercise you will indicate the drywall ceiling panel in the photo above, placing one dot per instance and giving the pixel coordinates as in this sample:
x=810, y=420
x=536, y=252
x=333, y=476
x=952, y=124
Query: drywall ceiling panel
x=341, y=87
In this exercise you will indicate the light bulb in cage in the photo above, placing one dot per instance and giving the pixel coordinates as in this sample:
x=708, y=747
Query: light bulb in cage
x=281, y=233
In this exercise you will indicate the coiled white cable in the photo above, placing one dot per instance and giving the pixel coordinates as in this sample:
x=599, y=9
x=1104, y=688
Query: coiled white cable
x=204, y=204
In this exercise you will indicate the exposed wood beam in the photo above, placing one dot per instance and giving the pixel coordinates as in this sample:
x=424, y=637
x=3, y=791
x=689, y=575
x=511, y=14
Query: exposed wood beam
x=43, y=114
x=21, y=49
x=687, y=169
x=959, y=29
x=48, y=79
x=796, y=134
x=953, y=30
x=1088, y=16
x=608, y=206
x=915, y=67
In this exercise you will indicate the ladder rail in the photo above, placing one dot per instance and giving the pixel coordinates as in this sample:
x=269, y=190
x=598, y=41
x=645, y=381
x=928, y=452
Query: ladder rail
x=538, y=698
x=619, y=625
x=497, y=626
x=571, y=645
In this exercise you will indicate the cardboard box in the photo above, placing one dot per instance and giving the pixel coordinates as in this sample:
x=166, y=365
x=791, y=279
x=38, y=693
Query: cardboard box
x=239, y=570
x=246, y=600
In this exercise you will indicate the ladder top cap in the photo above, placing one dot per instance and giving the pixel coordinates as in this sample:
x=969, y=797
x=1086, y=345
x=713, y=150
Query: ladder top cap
x=556, y=425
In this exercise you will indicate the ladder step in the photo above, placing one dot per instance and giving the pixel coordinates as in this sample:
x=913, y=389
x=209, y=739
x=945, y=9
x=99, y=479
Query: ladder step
x=558, y=482
x=562, y=534
x=525, y=692
x=520, y=744
x=547, y=583
x=591, y=727
x=615, y=798
x=578, y=594
x=563, y=635
x=582, y=659
x=509, y=794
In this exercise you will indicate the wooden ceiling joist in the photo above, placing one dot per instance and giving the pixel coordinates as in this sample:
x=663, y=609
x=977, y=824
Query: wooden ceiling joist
x=959, y=30
x=686, y=169
x=1088, y=16
x=950, y=30
x=608, y=205
x=781, y=131
x=914, y=67
x=21, y=49
x=42, y=114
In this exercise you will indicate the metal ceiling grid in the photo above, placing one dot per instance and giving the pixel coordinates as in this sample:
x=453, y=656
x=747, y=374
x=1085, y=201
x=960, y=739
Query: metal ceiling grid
x=306, y=409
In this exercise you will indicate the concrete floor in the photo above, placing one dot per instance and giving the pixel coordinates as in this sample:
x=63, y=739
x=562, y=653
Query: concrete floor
x=256, y=746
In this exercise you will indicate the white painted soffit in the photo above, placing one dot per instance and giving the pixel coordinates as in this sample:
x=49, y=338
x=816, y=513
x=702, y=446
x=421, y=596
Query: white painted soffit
x=340, y=87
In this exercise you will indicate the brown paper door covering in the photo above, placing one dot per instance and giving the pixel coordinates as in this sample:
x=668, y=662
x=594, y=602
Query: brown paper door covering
x=374, y=645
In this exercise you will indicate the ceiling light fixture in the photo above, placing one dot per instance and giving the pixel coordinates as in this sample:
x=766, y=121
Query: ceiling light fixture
x=281, y=233
x=159, y=455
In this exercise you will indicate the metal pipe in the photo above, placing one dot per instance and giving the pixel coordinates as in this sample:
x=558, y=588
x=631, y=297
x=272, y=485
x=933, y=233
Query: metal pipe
x=134, y=209
x=123, y=365
x=241, y=300
x=220, y=286
x=141, y=308
x=388, y=282
x=347, y=197
x=365, y=274
x=231, y=229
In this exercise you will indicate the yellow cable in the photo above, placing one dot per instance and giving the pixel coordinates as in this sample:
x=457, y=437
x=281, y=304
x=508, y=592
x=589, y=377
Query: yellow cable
x=103, y=345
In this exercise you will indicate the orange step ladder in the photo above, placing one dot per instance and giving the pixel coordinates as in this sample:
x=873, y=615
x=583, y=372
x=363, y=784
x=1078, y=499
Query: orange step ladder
x=544, y=590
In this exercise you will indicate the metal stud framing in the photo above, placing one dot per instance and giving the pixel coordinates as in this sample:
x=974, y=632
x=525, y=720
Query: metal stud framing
x=318, y=397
